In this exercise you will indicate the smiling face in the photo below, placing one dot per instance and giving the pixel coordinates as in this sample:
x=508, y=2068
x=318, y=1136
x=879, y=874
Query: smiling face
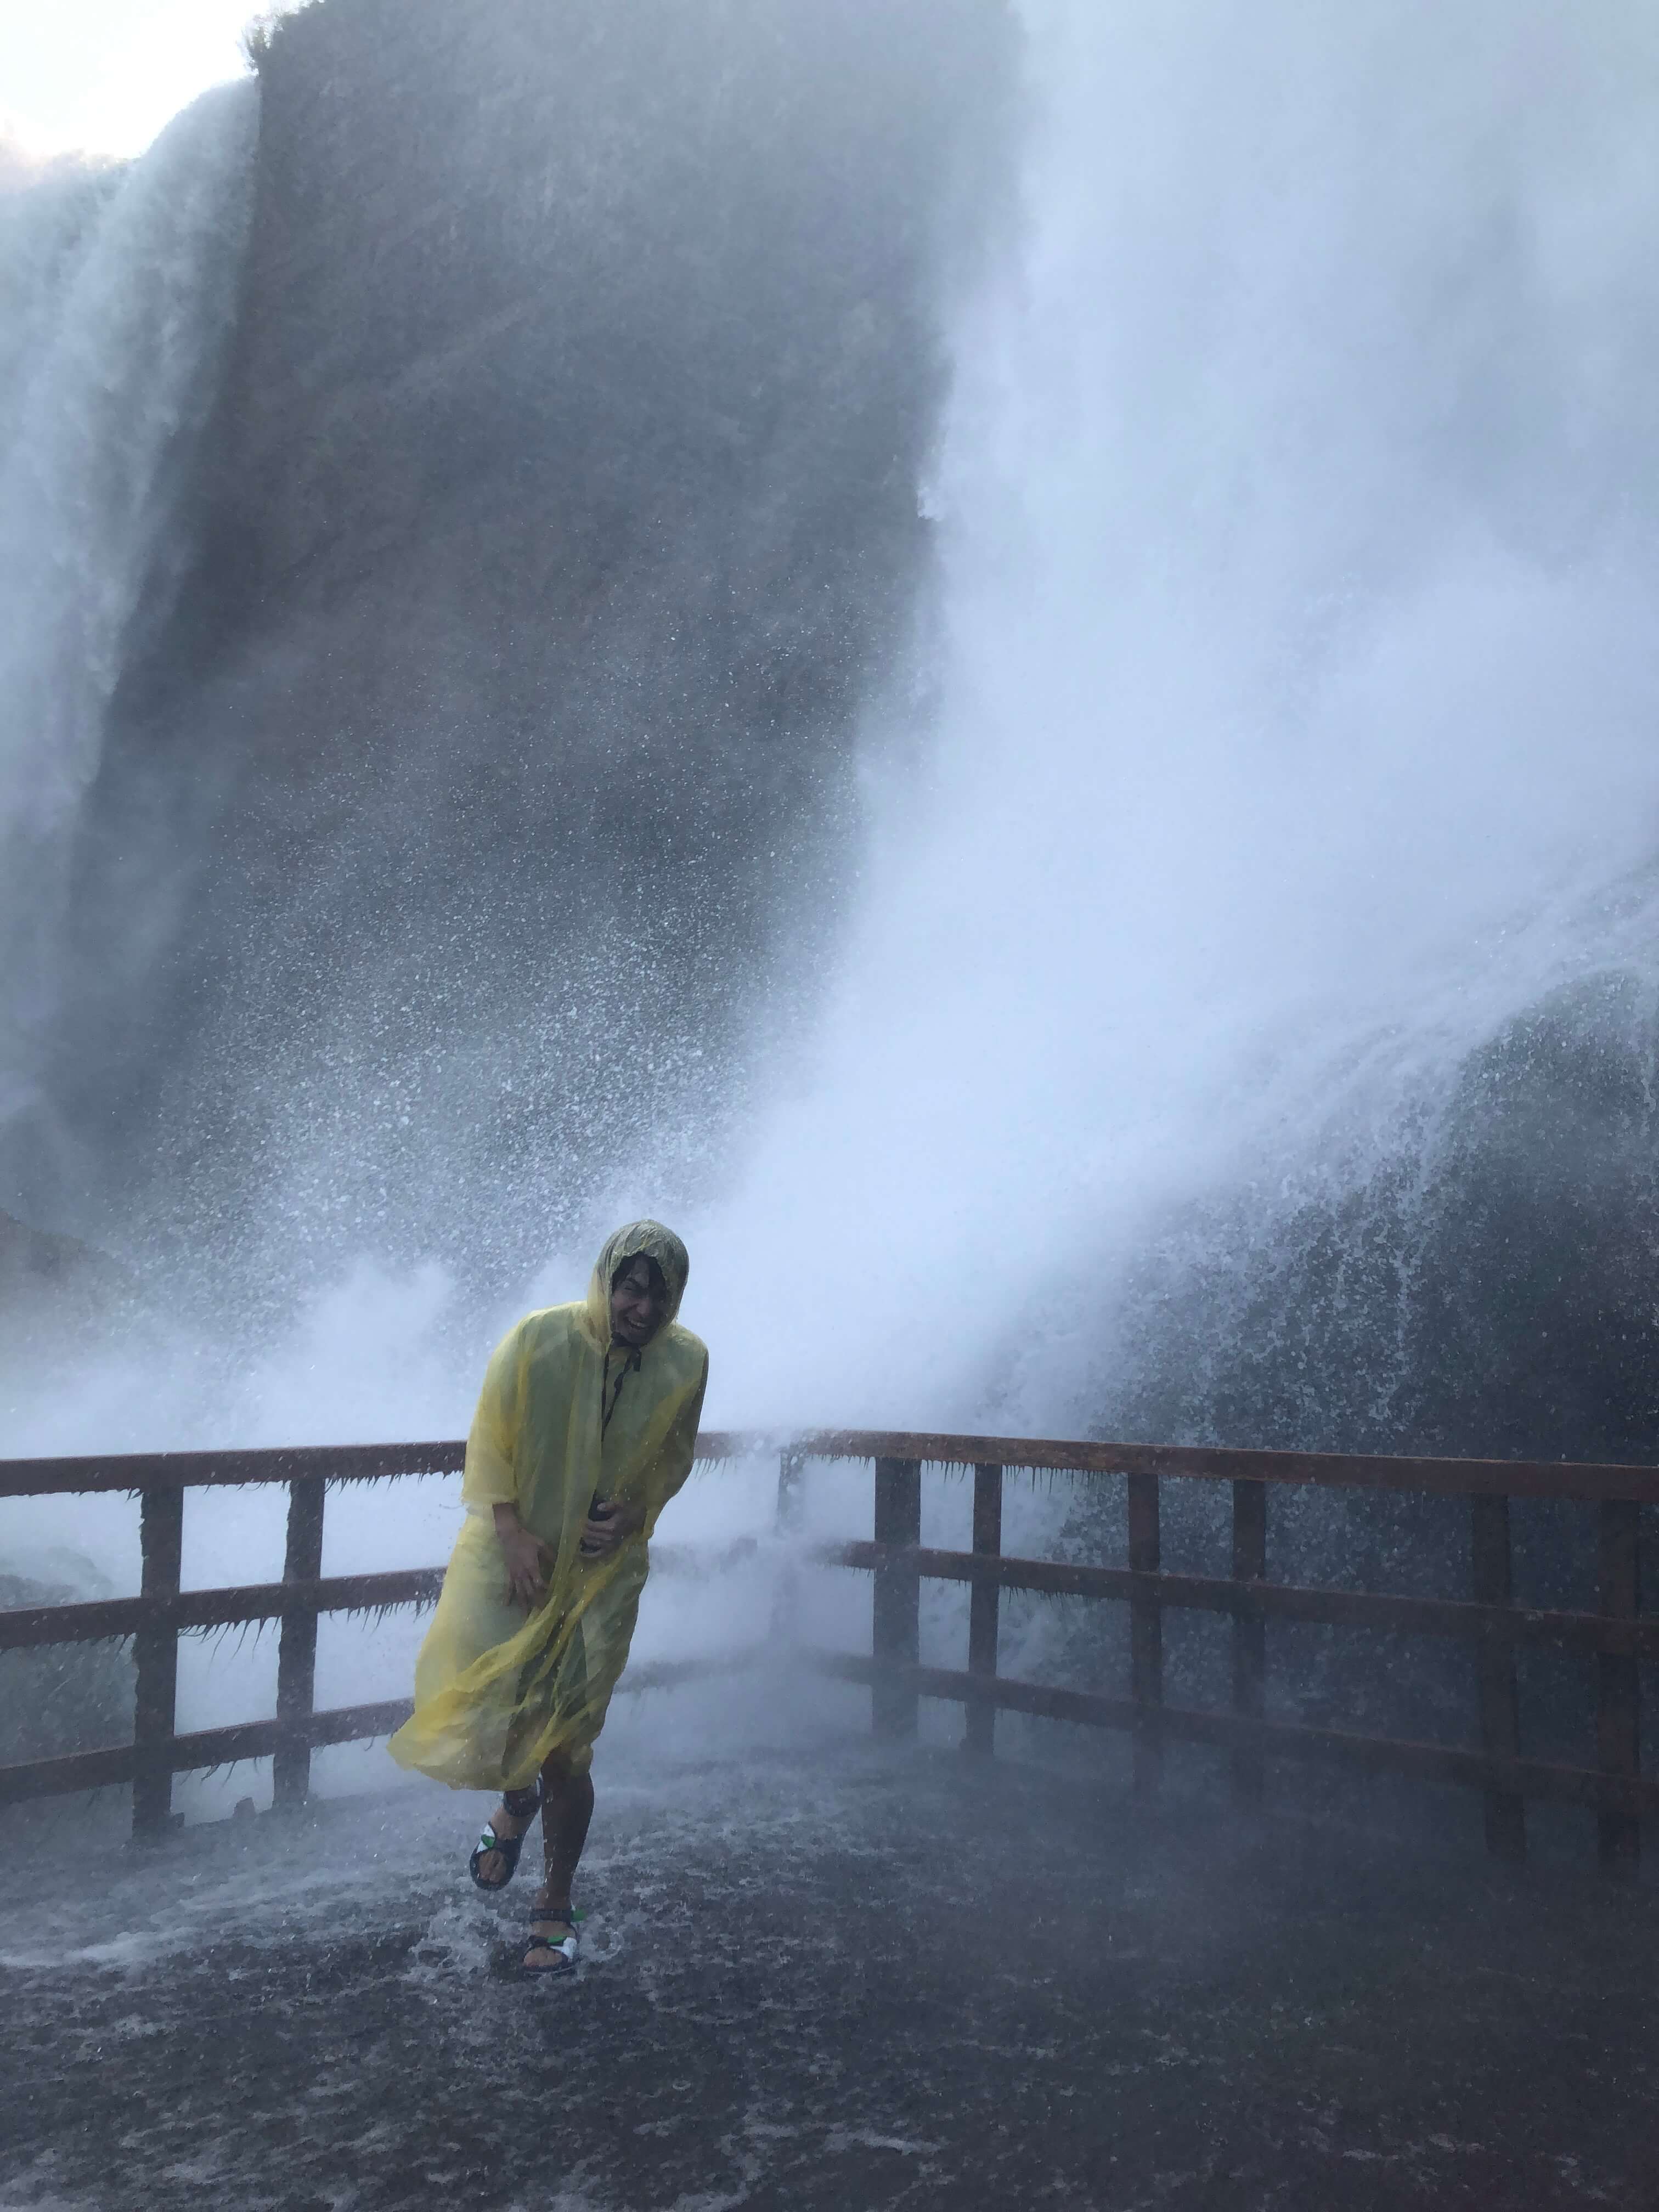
x=639, y=1303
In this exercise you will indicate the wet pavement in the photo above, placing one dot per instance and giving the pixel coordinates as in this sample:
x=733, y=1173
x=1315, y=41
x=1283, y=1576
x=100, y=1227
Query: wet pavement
x=856, y=1980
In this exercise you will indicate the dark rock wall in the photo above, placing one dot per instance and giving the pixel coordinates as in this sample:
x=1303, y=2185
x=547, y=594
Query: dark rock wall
x=488, y=788
x=1492, y=1290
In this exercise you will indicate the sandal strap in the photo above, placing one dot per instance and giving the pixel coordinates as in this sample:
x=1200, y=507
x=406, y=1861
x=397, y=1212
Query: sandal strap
x=508, y=1846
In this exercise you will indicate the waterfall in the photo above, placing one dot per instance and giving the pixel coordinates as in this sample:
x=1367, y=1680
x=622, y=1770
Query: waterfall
x=1296, y=509
x=119, y=290
x=1246, y=1000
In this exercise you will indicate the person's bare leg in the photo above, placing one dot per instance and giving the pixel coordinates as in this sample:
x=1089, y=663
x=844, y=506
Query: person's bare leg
x=567, y=1809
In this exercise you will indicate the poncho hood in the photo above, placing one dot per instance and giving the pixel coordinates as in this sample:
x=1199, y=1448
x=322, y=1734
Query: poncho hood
x=650, y=1239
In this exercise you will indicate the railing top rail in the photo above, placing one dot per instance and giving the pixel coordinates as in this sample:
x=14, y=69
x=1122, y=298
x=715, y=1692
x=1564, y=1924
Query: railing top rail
x=1457, y=1478
x=1467, y=1477
x=194, y=1470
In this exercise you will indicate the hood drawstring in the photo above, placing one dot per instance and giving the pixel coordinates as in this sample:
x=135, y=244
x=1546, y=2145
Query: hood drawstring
x=631, y=1365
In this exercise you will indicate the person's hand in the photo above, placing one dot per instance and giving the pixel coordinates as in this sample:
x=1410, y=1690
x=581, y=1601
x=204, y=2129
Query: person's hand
x=607, y=1527
x=525, y=1557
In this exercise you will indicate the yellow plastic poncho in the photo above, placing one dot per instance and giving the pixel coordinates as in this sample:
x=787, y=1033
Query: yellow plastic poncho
x=496, y=1690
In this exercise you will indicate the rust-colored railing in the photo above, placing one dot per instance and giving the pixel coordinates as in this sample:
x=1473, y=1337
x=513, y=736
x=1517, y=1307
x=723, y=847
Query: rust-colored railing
x=1488, y=1622
x=156, y=1617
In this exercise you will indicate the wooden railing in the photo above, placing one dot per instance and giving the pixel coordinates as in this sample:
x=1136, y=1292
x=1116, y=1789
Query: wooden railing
x=1488, y=1622
x=154, y=1618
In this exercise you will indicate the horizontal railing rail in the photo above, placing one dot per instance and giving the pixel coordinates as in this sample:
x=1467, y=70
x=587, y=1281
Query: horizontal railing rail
x=104, y=1619
x=131, y=1472
x=1420, y=1616
x=1446, y=1478
x=1616, y=1635
x=26, y=1629
x=206, y=1748
x=1427, y=1762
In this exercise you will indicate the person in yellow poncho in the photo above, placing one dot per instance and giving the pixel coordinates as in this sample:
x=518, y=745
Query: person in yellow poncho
x=586, y=1426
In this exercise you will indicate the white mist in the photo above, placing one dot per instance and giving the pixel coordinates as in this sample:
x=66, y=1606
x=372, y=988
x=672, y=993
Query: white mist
x=1297, y=513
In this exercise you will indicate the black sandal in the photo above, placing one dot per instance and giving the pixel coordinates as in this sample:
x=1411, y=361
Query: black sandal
x=527, y=1805
x=569, y=1948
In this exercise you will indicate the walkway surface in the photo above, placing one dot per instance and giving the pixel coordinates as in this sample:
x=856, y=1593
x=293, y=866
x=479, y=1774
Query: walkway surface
x=861, y=1980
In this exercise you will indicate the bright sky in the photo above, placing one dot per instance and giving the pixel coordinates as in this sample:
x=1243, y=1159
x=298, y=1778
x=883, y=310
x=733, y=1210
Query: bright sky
x=105, y=75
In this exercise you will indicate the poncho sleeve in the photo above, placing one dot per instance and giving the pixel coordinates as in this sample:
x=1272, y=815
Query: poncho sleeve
x=491, y=1477
x=672, y=1464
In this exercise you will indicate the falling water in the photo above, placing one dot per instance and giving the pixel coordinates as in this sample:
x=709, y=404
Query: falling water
x=1292, y=681
x=1297, y=507
x=119, y=289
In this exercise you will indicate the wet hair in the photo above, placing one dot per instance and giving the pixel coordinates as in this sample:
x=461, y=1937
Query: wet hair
x=658, y=1280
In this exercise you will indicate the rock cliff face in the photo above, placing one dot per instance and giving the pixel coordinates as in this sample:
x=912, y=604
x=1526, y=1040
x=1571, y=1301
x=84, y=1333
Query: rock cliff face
x=1489, y=1293
x=495, y=761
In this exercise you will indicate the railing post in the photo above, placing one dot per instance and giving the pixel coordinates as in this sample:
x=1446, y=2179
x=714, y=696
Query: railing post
x=790, y=1501
x=296, y=1654
x=897, y=1610
x=155, y=1652
x=1145, y=1634
x=1249, y=1636
x=1500, y=1705
x=787, y=1523
x=1618, y=1687
x=985, y=1605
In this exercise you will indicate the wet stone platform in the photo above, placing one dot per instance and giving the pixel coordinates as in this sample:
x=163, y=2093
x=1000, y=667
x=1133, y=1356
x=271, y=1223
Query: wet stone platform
x=862, y=1979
